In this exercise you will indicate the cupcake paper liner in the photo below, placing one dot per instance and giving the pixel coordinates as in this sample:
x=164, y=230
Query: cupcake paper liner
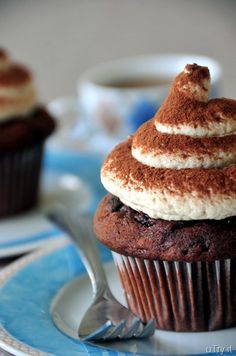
x=180, y=296
x=19, y=180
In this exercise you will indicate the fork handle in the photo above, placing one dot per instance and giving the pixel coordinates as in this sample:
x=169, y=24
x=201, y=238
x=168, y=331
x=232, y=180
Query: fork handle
x=87, y=249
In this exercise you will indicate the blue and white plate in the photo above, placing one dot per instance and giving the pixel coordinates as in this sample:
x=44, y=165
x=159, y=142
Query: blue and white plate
x=28, y=287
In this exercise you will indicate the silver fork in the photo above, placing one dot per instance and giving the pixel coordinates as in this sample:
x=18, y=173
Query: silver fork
x=106, y=318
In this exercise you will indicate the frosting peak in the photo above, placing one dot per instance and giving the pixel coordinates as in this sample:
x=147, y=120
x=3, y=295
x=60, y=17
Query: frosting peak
x=17, y=93
x=194, y=82
x=188, y=111
x=181, y=164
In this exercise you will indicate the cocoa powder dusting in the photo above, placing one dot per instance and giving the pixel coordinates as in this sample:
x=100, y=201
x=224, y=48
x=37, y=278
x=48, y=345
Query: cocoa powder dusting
x=149, y=140
x=15, y=75
x=193, y=73
x=203, y=182
x=180, y=108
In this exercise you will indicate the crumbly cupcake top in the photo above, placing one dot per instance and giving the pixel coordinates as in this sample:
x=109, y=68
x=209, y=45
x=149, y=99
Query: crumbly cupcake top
x=17, y=92
x=181, y=164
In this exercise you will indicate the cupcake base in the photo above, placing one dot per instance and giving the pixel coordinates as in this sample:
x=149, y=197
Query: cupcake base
x=180, y=296
x=19, y=180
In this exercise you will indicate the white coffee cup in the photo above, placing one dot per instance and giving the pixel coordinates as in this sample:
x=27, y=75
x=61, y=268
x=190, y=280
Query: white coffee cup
x=108, y=111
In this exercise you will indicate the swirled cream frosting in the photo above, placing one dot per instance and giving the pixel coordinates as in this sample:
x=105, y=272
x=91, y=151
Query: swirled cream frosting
x=181, y=164
x=17, y=92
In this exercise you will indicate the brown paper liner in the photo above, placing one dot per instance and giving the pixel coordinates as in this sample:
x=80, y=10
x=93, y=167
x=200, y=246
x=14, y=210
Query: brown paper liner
x=19, y=180
x=180, y=296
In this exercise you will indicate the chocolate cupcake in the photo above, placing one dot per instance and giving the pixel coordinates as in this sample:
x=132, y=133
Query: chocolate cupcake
x=170, y=219
x=24, y=126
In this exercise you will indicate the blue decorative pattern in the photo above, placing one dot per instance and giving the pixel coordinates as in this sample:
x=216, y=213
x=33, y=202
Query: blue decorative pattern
x=142, y=111
x=24, y=307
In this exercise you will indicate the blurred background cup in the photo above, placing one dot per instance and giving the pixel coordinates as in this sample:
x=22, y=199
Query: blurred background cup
x=115, y=98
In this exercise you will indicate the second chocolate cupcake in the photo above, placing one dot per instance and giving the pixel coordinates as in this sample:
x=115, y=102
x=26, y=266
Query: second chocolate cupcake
x=24, y=127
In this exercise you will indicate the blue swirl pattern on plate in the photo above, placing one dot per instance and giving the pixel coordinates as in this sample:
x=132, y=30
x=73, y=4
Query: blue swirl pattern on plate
x=25, y=302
